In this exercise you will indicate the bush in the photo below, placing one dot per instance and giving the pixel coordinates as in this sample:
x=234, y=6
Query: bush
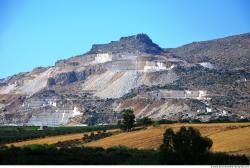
x=94, y=137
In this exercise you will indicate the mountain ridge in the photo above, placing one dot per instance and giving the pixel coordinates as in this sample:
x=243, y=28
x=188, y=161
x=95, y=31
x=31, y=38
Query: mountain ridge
x=202, y=80
x=135, y=43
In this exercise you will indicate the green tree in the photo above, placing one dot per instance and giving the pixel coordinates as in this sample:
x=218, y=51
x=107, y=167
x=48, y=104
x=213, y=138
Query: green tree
x=128, y=120
x=145, y=121
x=187, y=145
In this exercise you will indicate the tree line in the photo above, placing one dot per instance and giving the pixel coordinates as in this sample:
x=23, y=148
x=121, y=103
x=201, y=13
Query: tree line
x=13, y=134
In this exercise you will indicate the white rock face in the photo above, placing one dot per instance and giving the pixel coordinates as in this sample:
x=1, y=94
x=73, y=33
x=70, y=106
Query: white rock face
x=208, y=109
x=103, y=57
x=154, y=66
x=180, y=94
x=202, y=94
x=207, y=65
x=112, y=84
x=30, y=85
x=7, y=89
x=76, y=112
x=115, y=84
x=53, y=117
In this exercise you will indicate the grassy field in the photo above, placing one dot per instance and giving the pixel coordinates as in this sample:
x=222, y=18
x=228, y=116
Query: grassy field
x=53, y=139
x=227, y=137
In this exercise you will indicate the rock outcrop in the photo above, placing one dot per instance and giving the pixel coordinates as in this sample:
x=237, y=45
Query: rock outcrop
x=132, y=44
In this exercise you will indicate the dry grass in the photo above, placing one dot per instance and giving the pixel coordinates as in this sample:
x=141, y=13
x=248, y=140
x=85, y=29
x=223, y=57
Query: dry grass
x=53, y=139
x=227, y=137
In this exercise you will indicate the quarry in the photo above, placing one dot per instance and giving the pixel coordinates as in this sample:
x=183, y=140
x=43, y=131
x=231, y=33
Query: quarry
x=131, y=62
x=102, y=58
x=180, y=94
x=49, y=112
x=187, y=82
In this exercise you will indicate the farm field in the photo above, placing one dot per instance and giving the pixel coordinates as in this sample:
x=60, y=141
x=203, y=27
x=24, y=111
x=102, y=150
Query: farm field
x=227, y=137
x=11, y=134
x=53, y=139
x=232, y=138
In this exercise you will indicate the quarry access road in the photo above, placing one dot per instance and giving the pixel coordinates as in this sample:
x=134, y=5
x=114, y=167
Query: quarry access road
x=53, y=139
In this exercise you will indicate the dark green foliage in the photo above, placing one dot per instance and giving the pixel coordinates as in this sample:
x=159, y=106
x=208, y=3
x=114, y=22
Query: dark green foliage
x=164, y=121
x=13, y=134
x=187, y=146
x=145, y=121
x=51, y=155
x=97, y=136
x=128, y=120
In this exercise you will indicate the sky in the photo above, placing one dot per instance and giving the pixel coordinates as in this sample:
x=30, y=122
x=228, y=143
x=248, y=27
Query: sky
x=39, y=32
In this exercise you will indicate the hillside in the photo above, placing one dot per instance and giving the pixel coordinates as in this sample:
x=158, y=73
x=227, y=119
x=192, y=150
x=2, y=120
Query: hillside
x=203, y=80
x=225, y=53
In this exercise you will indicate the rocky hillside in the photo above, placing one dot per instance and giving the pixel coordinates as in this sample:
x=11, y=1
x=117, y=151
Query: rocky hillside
x=225, y=53
x=138, y=43
x=202, y=80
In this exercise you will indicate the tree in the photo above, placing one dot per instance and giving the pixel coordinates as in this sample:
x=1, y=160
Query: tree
x=145, y=121
x=128, y=120
x=187, y=145
x=120, y=125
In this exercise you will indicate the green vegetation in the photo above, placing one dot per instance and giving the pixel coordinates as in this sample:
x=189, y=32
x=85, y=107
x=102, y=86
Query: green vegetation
x=86, y=138
x=145, y=121
x=128, y=121
x=187, y=146
x=13, y=134
x=51, y=155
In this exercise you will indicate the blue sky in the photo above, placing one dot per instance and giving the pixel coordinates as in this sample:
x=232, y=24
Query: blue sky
x=39, y=32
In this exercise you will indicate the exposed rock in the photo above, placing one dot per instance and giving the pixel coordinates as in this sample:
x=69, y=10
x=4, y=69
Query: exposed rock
x=201, y=81
x=136, y=43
